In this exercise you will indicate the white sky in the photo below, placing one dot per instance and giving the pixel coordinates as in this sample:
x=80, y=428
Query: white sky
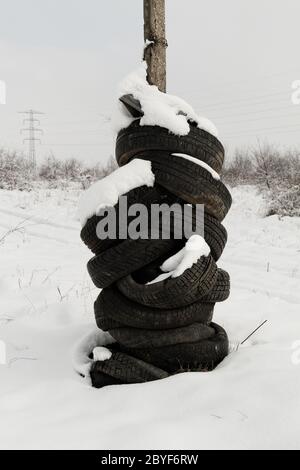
x=233, y=60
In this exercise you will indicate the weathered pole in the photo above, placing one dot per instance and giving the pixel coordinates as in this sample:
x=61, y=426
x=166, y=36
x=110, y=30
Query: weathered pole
x=155, y=42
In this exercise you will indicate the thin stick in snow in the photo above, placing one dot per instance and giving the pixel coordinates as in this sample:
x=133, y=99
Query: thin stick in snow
x=258, y=328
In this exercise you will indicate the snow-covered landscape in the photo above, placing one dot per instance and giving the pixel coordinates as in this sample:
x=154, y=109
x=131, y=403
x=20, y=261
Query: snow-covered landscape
x=250, y=401
x=149, y=227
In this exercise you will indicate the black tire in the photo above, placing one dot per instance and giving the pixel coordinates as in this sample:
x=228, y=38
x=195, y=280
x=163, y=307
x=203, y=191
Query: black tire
x=201, y=356
x=215, y=236
x=214, y=232
x=128, y=256
x=143, y=195
x=127, y=369
x=198, y=144
x=166, y=327
x=221, y=290
x=89, y=231
x=114, y=310
x=100, y=380
x=191, y=182
x=191, y=286
x=137, y=338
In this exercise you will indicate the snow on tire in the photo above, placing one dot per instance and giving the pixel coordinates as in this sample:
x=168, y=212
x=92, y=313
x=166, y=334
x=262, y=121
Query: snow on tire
x=186, y=289
x=158, y=297
x=191, y=182
x=198, y=143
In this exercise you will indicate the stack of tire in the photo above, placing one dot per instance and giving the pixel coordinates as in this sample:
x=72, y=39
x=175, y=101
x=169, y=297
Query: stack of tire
x=166, y=327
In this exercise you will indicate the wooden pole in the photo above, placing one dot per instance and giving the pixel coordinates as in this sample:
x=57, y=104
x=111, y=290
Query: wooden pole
x=155, y=42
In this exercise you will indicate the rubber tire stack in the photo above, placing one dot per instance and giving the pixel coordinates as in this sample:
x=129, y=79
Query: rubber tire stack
x=165, y=327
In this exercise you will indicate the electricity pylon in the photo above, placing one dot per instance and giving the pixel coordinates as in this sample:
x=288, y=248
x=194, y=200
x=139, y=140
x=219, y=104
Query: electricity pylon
x=32, y=130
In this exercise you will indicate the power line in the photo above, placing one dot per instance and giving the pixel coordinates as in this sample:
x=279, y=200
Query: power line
x=255, y=111
x=74, y=145
x=255, y=132
x=32, y=130
x=105, y=118
x=242, y=81
x=256, y=99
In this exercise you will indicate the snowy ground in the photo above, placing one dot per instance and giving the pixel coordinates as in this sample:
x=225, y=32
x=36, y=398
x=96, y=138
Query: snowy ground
x=46, y=298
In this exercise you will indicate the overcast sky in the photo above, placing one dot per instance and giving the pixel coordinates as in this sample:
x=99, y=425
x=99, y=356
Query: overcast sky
x=233, y=60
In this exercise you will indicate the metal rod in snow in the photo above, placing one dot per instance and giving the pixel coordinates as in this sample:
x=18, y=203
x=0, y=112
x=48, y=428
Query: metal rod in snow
x=155, y=42
x=258, y=328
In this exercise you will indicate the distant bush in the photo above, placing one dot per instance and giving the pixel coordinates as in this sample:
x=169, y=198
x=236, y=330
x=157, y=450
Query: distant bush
x=285, y=201
x=276, y=173
x=17, y=173
x=239, y=170
x=54, y=170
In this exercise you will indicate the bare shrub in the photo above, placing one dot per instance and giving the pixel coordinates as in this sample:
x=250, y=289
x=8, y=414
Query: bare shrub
x=54, y=170
x=15, y=171
x=284, y=201
x=275, y=172
x=240, y=170
x=97, y=172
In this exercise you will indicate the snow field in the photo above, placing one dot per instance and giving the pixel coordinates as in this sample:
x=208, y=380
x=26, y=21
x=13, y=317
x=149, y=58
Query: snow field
x=251, y=401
